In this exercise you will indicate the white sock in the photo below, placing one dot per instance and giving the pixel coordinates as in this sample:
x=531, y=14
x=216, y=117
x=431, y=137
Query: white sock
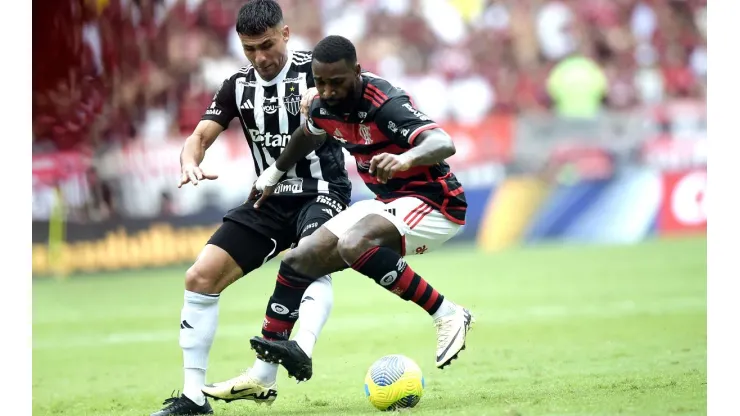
x=445, y=309
x=263, y=371
x=314, y=311
x=198, y=321
x=195, y=379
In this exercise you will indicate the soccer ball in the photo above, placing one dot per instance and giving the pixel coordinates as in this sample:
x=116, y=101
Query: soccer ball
x=394, y=382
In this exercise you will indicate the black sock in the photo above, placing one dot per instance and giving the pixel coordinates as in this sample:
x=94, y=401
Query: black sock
x=282, y=310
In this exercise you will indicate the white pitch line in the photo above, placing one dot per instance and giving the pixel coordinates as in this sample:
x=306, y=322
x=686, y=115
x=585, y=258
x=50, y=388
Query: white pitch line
x=339, y=323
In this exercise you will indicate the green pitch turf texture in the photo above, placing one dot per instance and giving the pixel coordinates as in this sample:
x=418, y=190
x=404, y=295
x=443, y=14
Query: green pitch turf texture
x=560, y=331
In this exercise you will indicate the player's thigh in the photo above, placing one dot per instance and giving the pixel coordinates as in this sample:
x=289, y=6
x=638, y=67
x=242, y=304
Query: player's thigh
x=345, y=220
x=316, y=254
x=422, y=227
x=364, y=225
x=234, y=250
x=316, y=213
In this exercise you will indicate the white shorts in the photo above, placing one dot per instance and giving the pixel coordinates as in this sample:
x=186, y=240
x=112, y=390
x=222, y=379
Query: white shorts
x=422, y=227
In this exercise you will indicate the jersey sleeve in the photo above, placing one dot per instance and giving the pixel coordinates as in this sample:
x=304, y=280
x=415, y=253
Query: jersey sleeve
x=312, y=125
x=401, y=122
x=223, y=107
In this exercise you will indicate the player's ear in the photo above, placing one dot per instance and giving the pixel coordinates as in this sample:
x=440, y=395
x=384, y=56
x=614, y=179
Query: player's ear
x=286, y=33
x=358, y=69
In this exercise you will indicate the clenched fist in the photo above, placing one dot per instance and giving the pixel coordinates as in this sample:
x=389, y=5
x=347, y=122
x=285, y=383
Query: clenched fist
x=385, y=165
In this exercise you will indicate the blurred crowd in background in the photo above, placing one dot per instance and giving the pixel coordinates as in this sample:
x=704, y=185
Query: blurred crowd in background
x=125, y=68
x=579, y=120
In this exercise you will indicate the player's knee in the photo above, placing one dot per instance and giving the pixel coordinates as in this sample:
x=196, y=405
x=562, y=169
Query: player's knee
x=299, y=259
x=354, y=244
x=199, y=279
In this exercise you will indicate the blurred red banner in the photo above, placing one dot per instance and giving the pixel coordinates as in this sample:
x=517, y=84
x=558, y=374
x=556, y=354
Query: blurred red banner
x=684, y=202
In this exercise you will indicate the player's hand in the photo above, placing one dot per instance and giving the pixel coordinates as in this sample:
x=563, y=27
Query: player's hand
x=194, y=174
x=266, y=183
x=254, y=193
x=263, y=195
x=385, y=165
x=307, y=99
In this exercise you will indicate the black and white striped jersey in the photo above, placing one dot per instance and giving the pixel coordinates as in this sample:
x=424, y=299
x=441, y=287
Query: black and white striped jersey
x=269, y=112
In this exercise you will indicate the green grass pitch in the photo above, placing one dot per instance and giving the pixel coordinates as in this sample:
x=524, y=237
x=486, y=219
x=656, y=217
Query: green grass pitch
x=561, y=330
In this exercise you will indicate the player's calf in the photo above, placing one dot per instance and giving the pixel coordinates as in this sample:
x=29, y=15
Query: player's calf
x=281, y=313
x=372, y=248
x=198, y=318
x=389, y=270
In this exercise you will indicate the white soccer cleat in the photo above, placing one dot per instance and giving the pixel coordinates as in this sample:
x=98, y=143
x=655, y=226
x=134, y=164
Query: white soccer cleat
x=242, y=387
x=451, y=333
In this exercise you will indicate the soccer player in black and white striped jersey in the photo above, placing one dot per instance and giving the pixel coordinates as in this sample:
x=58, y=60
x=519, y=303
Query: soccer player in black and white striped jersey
x=265, y=97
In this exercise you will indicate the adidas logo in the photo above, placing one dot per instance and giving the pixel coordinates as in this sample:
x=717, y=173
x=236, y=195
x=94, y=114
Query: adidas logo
x=185, y=324
x=247, y=105
x=328, y=211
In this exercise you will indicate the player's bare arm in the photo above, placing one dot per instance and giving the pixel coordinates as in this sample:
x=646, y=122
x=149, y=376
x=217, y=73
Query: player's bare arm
x=194, y=150
x=301, y=143
x=430, y=147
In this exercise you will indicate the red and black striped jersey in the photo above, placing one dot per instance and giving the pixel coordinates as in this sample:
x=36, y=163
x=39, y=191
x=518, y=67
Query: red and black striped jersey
x=386, y=121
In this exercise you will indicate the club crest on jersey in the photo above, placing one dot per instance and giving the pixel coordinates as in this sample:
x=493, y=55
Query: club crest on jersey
x=365, y=133
x=362, y=114
x=270, y=105
x=292, y=103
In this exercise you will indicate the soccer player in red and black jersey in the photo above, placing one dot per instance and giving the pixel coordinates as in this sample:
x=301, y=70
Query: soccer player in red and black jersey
x=420, y=204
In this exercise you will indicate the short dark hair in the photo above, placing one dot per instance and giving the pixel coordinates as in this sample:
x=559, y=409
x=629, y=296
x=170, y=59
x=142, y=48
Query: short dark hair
x=257, y=16
x=335, y=48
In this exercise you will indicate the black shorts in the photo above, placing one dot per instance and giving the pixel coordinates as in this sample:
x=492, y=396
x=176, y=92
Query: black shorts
x=254, y=236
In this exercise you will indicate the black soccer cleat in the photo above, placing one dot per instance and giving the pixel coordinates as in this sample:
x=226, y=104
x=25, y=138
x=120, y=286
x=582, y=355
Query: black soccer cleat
x=286, y=353
x=182, y=405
